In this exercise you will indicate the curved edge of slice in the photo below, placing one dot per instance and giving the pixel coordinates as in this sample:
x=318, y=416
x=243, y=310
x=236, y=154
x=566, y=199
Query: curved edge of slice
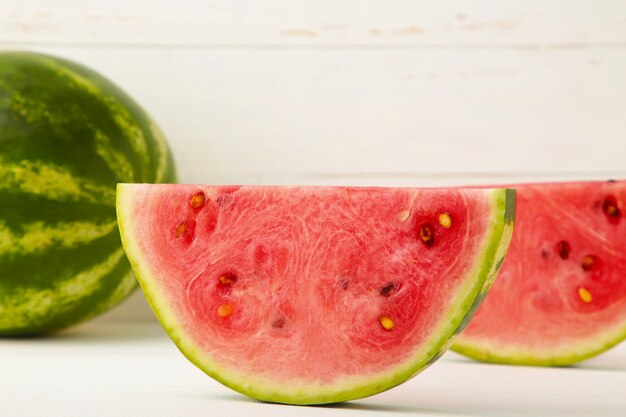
x=462, y=308
x=484, y=352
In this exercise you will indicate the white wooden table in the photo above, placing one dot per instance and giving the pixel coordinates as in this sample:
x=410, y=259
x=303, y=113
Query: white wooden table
x=133, y=369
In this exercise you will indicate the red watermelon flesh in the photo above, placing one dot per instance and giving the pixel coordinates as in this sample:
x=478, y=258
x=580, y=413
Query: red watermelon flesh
x=313, y=294
x=561, y=294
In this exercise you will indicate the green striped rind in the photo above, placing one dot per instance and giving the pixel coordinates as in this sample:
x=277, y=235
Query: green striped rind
x=67, y=136
x=462, y=305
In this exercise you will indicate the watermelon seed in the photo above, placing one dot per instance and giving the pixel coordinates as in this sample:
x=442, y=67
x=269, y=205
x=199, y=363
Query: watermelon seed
x=386, y=323
x=279, y=323
x=388, y=289
x=227, y=279
x=404, y=215
x=344, y=284
x=197, y=201
x=545, y=254
x=225, y=310
x=589, y=262
x=609, y=207
x=180, y=229
x=585, y=295
x=445, y=220
x=426, y=234
x=563, y=248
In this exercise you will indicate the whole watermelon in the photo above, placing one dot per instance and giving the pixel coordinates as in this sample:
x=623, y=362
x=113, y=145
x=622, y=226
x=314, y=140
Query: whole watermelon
x=67, y=136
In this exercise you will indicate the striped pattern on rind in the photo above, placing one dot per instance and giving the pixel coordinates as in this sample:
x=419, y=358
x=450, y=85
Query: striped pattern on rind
x=461, y=307
x=67, y=136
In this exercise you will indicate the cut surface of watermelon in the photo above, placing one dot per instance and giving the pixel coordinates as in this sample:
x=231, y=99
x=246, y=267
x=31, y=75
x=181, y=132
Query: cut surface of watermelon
x=313, y=294
x=561, y=294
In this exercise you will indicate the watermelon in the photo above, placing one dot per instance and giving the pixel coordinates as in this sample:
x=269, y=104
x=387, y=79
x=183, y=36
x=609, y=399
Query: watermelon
x=561, y=295
x=313, y=294
x=67, y=136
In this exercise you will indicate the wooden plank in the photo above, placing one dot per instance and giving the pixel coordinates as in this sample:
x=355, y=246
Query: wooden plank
x=374, y=115
x=325, y=22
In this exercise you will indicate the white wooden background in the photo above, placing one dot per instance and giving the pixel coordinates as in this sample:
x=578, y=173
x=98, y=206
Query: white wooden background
x=397, y=92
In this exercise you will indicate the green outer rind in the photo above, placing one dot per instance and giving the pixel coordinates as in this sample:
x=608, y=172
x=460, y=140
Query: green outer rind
x=59, y=286
x=558, y=357
x=499, y=248
x=463, y=306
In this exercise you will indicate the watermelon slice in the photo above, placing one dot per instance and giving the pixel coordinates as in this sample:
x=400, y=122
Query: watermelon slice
x=561, y=295
x=313, y=294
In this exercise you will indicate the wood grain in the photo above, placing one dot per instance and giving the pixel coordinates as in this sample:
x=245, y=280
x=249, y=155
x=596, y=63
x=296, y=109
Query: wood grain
x=277, y=115
x=558, y=23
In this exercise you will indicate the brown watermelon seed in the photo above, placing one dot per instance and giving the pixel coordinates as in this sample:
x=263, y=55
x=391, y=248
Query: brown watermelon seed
x=585, y=295
x=610, y=208
x=227, y=279
x=388, y=289
x=445, y=220
x=563, y=248
x=589, y=262
x=180, y=229
x=404, y=215
x=426, y=234
x=386, y=323
x=545, y=254
x=197, y=201
x=225, y=310
x=279, y=323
